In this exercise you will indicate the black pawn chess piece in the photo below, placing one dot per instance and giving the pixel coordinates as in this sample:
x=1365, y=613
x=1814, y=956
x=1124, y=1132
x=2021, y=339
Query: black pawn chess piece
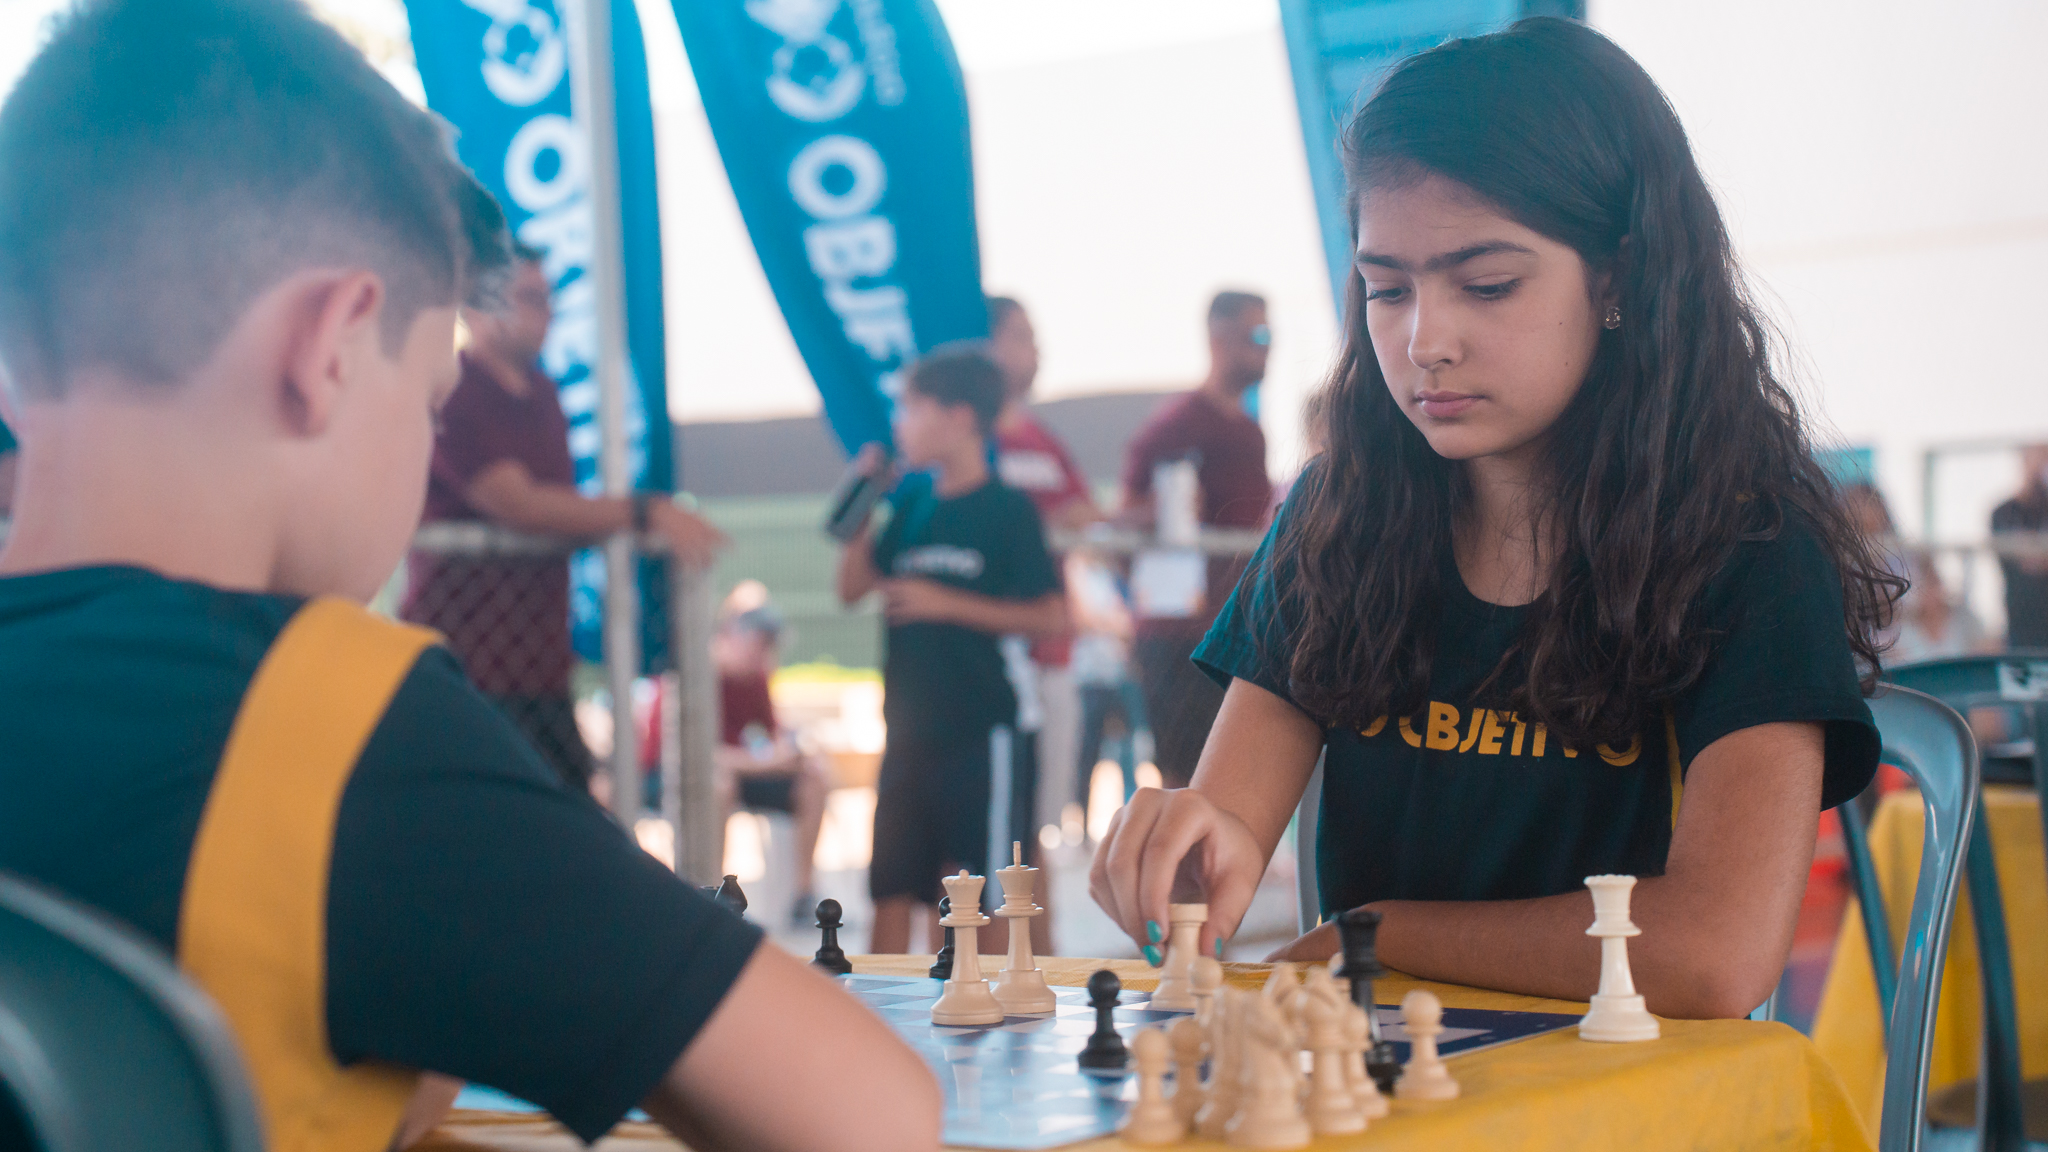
x=942, y=964
x=831, y=957
x=1105, y=1051
x=1358, y=932
x=729, y=896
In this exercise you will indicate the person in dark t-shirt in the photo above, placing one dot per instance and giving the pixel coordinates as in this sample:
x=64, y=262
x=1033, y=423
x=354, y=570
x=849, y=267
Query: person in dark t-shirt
x=2026, y=577
x=226, y=400
x=1566, y=593
x=1210, y=427
x=502, y=455
x=961, y=563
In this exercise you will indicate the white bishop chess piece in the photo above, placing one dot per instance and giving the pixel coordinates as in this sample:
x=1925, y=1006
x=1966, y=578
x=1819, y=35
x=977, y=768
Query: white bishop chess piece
x=1020, y=987
x=966, y=999
x=1617, y=1012
x=1332, y=1106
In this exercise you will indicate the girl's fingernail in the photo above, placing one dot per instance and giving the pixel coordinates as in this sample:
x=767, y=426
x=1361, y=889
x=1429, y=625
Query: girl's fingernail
x=1152, y=932
x=1219, y=947
x=1152, y=955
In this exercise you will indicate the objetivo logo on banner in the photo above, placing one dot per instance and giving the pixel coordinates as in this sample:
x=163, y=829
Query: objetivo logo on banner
x=838, y=178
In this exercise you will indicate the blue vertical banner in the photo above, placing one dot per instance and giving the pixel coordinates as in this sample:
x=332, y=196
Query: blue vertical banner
x=498, y=70
x=843, y=127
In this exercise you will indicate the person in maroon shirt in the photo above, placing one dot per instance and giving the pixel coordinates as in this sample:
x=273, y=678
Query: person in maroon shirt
x=502, y=455
x=758, y=765
x=1210, y=427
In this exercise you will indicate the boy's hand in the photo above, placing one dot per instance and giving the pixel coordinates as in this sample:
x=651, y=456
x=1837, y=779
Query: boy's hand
x=914, y=598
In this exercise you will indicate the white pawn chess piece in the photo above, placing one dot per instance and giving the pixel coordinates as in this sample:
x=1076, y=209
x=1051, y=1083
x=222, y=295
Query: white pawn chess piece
x=1020, y=987
x=1617, y=1012
x=966, y=999
x=1189, y=1046
x=1226, y=1058
x=1425, y=1076
x=1153, y=1119
x=1206, y=978
x=1176, y=991
x=1270, y=1113
x=1332, y=1106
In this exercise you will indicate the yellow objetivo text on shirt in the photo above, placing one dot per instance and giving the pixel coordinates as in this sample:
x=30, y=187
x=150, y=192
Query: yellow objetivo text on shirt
x=1489, y=733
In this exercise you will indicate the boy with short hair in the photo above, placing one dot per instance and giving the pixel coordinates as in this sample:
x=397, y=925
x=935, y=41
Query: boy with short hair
x=230, y=261
x=961, y=563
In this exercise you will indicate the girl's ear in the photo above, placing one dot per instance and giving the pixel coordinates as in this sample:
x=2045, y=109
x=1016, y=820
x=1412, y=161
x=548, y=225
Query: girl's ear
x=1605, y=290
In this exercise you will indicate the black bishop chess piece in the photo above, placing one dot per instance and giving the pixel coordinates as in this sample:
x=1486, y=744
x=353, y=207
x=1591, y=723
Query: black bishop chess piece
x=1105, y=1051
x=1358, y=932
x=942, y=964
x=729, y=896
x=831, y=957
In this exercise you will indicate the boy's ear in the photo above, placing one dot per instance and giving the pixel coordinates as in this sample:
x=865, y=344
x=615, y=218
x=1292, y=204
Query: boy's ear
x=336, y=326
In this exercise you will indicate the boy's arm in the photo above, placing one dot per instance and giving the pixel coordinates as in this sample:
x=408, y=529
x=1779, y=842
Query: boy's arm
x=857, y=576
x=911, y=599
x=757, y=1077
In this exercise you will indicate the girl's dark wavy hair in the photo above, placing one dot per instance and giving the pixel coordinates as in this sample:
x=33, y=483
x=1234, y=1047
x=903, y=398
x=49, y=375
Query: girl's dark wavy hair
x=1681, y=443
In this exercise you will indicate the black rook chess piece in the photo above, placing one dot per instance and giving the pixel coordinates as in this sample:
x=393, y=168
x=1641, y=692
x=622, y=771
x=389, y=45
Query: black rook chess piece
x=1358, y=932
x=942, y=964
x=831, y=957
x=1105, y=1051
x=729, y=896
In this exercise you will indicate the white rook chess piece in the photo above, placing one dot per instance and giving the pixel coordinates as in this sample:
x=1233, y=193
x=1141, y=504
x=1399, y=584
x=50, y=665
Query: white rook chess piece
x=1020, y=987
x=1153, y=1119
x=1176, y=991
x=1617, y=1012
x=1424, y=1077
x=966, y=999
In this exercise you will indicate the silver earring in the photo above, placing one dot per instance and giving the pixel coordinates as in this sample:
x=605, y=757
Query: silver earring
x=1613, y=318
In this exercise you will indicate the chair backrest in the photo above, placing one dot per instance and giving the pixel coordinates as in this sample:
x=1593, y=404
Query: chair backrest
x=1931, y=742
x=1308, y=895
x=104, y=1045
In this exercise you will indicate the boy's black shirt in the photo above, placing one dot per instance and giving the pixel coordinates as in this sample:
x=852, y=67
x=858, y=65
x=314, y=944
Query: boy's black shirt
x=1457, y=803
x=482, y=920
x=945, y=682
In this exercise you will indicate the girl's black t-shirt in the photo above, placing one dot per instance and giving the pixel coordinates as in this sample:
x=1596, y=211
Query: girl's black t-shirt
x=1469, y=801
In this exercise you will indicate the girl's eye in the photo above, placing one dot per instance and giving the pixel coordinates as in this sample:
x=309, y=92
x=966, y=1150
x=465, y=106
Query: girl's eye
x=1493, y=291
x=1384, y=294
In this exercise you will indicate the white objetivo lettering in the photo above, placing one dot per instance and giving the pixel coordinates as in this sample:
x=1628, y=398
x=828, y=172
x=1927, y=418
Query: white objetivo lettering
x=939, y=560
x=521, y=70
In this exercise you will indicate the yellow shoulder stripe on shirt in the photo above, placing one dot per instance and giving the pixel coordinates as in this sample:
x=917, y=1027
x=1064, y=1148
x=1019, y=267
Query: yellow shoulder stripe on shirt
x=252, y=928
x=1677, y=776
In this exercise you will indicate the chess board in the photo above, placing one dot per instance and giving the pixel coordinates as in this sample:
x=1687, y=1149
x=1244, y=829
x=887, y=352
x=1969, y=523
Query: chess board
x=1016, y=1085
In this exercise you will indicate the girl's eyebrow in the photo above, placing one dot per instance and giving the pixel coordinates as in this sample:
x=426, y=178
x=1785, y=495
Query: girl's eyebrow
x=1448, y=259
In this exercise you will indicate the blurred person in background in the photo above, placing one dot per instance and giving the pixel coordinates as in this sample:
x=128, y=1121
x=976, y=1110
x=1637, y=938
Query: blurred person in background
x=1925, y=624
x=758, y=764
x=501, y=455
x=1032, y=460
x=1212, y=427
x=2026, y=577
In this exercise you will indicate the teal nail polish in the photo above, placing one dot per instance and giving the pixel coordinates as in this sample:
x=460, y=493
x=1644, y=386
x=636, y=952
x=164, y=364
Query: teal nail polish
x=1219, y=947
x=1152, y=931
x=1152, y=955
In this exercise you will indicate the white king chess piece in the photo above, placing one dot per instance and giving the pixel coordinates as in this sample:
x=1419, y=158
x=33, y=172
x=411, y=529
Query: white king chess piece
x=966, y=999
x=1020, y=987
x=1617, y=1012
x=1176, y=991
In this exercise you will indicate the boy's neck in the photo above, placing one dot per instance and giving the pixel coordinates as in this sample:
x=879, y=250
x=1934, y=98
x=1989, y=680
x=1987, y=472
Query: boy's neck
x=962, y=471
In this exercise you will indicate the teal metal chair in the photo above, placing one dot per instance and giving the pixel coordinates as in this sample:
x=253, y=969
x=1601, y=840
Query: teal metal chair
x=103, y=1044
x=1997, y=1111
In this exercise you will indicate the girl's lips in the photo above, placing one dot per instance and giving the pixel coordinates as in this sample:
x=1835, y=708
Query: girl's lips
x=1445, y=405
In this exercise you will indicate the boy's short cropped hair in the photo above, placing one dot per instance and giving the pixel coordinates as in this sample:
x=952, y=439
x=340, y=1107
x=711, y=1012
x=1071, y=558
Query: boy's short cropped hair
x=1232, y=303
x=961, y=372
x=164, y=162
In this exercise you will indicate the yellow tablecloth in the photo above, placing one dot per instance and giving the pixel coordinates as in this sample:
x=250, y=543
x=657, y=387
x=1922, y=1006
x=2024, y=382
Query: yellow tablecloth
x=1847, y=1030
x=1706, y=1084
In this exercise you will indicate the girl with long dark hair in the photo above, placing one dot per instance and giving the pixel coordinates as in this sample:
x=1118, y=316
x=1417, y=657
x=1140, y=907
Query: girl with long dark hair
x=1566, y=594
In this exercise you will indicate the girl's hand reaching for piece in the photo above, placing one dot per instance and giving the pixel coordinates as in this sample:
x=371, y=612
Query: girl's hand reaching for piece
x=1175, y=846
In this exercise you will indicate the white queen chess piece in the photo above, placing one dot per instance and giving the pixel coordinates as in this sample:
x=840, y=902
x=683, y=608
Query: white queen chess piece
x=1617, y=1012
x=966, y=999
x=1176, y=991
x=1020, y=987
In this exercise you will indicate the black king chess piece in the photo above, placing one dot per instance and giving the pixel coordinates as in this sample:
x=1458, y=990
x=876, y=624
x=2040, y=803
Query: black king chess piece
x=831, y=957
x=942, y=964
x=729, y=896
x=1359, y=931
x=1105, y=1051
